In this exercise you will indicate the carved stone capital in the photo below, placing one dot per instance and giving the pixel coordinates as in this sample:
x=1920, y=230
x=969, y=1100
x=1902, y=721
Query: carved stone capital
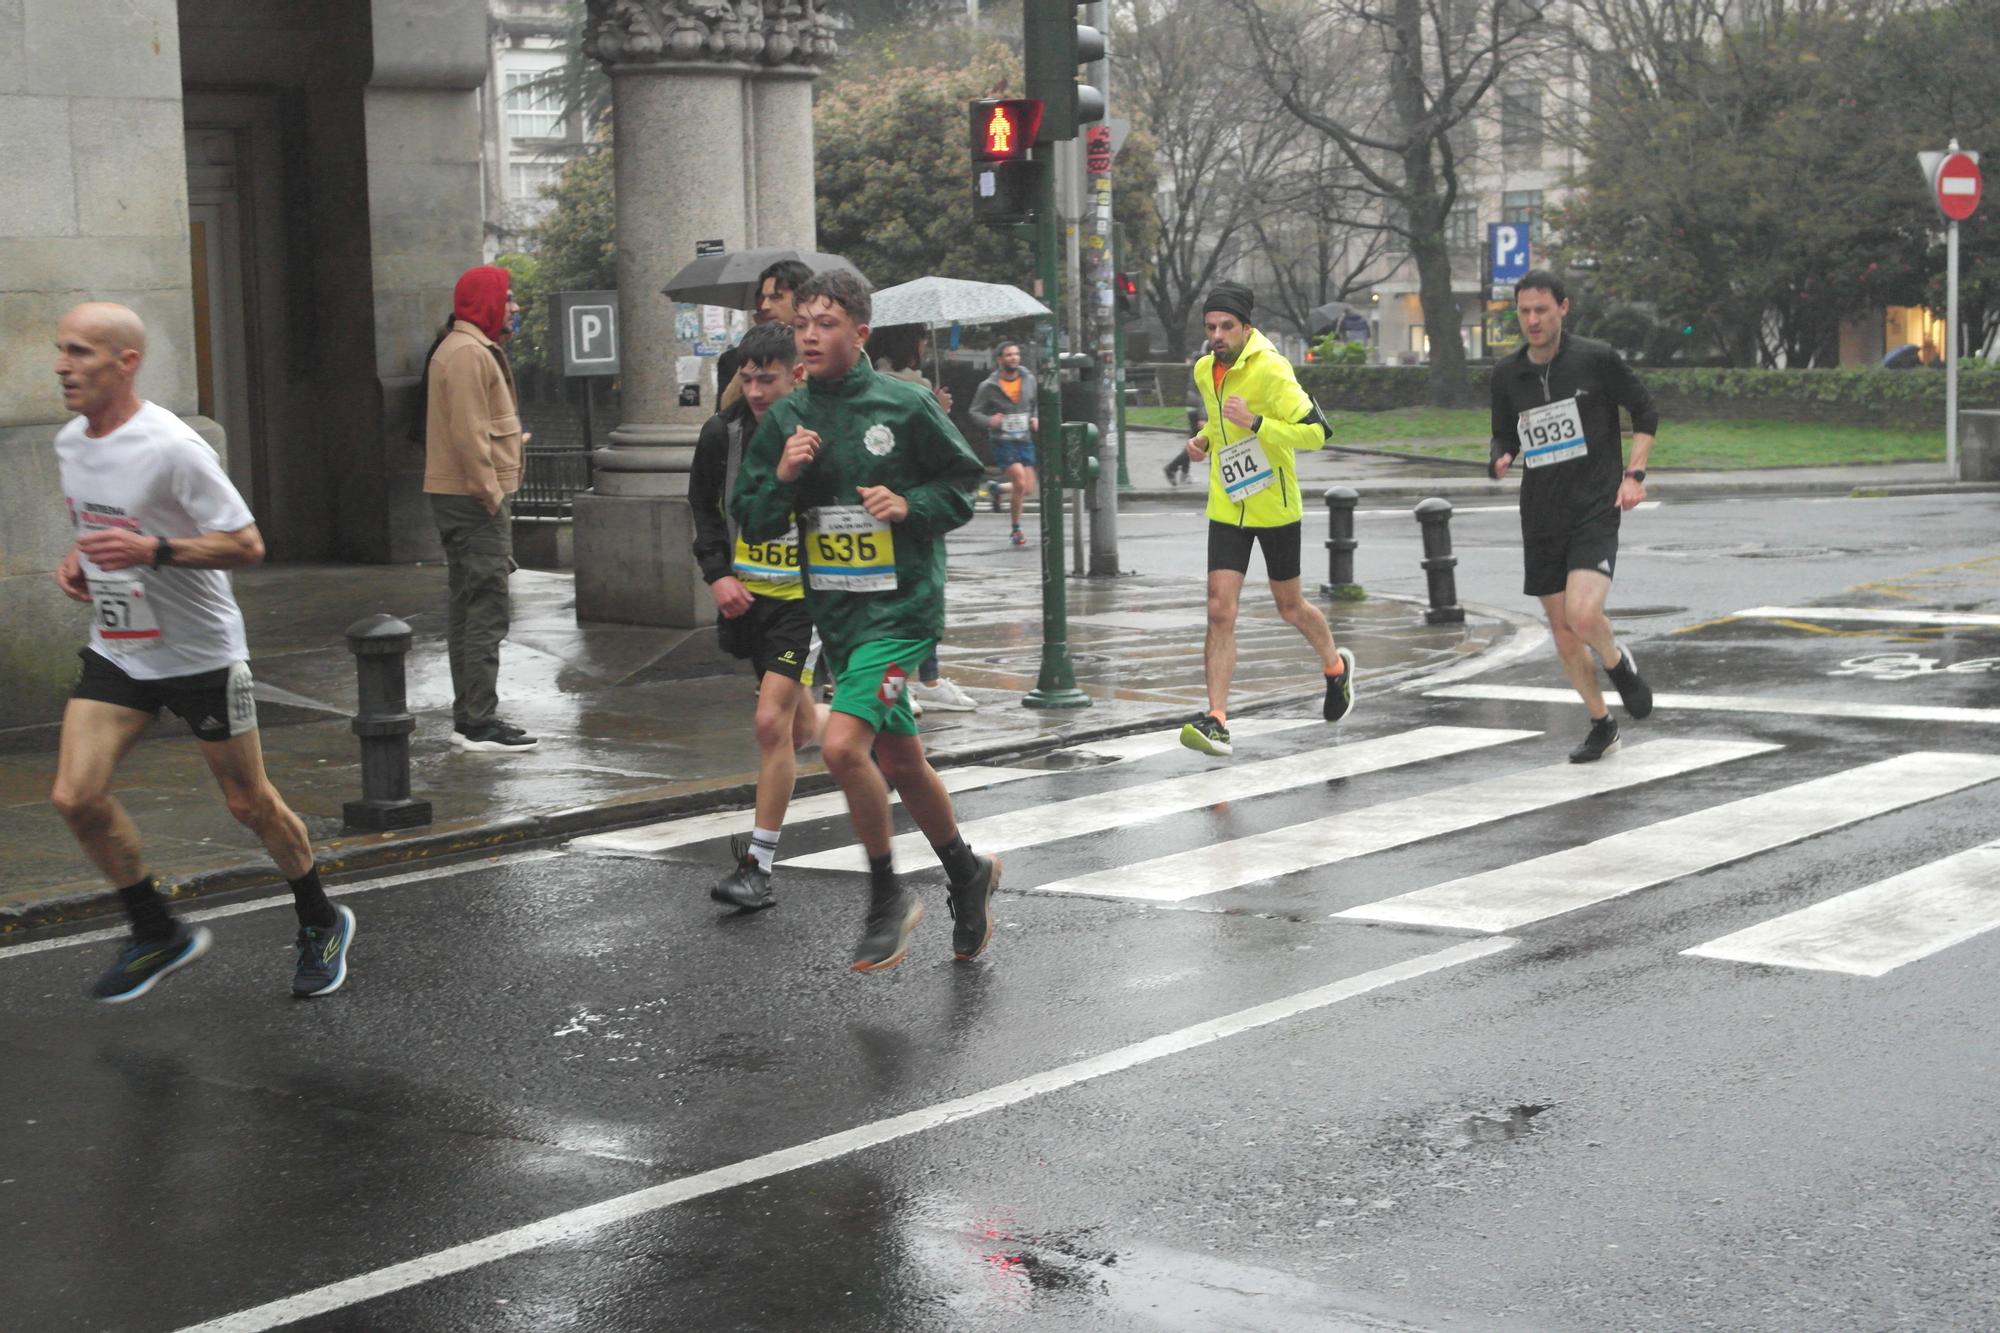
x=651, y=32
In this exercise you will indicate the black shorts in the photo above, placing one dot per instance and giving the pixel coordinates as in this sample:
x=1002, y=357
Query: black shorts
x=216, y=705
x=1592, y=544
x=1229, y=548
x=776, y=634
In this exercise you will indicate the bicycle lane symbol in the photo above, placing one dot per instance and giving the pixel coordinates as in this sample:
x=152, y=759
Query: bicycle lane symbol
x=1911, y=666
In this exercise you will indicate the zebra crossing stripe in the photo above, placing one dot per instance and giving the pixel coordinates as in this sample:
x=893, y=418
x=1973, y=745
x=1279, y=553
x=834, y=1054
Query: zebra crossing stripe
x=1875, y=930
x=1149, y=743
x=1194, y=791
x=1735, y=703
x=1866, y=615
x=1596, y=872
x=651, y=838
x=1375, y=828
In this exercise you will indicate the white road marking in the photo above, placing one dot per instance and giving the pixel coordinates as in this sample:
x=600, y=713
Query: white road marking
x=1596, y=872
x=1149, y=743
x=648, y=839
x=1457, y=510
x=1375, y=828
x=1194, y=617
x=1866, y=615
x=239, y=909
x=1736, y=703
x=1875, y=930
x=1195, y=791
x=579, y=1223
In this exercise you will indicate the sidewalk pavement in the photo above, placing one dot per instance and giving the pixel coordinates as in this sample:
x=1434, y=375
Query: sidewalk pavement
x=635, y=726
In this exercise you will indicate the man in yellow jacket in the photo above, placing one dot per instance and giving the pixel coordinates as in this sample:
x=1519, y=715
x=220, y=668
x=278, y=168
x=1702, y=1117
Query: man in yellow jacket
x=1258, y=420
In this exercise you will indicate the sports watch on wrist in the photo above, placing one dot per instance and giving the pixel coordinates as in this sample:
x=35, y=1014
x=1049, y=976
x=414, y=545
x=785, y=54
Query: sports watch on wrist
x=1637, y=474
x=163, y=553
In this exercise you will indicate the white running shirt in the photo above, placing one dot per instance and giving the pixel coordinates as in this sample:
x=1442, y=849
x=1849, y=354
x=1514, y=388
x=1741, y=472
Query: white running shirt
x=156, y=477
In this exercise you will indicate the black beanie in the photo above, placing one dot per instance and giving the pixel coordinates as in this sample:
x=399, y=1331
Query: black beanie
x=1231, y=298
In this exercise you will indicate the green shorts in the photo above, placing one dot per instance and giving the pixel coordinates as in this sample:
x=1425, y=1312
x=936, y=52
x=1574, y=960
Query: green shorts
x=872, y=683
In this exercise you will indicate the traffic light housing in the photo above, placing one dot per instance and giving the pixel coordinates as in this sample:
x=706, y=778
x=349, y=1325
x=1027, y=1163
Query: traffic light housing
x=1128, y=293
x=1081, y=465
x=1055, y=45
x=1006, y=185
x=1004, y=128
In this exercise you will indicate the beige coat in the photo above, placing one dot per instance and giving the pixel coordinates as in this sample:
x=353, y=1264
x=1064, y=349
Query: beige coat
x=472, y=433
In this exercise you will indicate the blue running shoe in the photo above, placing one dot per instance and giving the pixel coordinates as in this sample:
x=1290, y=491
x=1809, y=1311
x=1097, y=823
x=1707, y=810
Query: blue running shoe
x=323, y=956
x=143, y=962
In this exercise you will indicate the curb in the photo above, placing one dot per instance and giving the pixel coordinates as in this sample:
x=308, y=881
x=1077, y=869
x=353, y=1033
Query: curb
x=446, y=848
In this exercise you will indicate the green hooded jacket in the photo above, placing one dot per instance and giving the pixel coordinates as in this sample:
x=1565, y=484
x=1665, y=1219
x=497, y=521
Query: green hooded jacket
x=874, y=431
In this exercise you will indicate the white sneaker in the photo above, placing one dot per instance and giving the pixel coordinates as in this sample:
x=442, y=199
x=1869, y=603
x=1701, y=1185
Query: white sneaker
x=943, y=697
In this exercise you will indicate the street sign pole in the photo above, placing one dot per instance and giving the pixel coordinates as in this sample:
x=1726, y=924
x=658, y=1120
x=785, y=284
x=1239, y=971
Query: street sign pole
x=1951, y=349
x=1953, y=176
x=1055, y=687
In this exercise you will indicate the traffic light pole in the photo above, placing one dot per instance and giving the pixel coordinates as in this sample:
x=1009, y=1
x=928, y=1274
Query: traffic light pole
x=1056, y=685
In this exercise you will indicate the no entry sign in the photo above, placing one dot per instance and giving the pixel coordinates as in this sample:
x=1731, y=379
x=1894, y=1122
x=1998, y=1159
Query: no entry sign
x=1957, y=186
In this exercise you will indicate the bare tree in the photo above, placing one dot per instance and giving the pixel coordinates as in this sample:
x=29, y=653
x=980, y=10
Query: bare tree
x=1388, y=83
x=1184, y=72
x=1321, y=241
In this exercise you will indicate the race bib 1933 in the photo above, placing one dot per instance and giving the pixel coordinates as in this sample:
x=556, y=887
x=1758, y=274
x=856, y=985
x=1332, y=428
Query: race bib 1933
x=1551, y=434
x=849, y=550
x=125, y=618
x=1244, y=469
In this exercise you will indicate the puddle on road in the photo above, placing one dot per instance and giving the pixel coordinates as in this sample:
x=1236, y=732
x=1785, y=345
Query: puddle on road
x=1515, y=1123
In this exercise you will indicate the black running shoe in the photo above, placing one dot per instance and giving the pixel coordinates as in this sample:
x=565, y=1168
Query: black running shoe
x=972, y=910
x=1340, y=690
x=1636, y=693
x=1602, y=740
x=748, y=887
x=886, y=936
x=143, y=962
x=1207, y=734
x=322, y=966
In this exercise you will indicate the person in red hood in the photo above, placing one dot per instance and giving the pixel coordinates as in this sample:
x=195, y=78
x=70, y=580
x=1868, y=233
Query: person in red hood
x=472, y=464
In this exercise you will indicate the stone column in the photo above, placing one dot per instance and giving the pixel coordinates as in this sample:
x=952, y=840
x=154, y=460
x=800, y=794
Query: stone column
x=782, y=191
x=682, y=120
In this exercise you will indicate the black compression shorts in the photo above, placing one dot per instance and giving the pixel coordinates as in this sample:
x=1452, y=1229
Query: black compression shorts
x=1229, y=548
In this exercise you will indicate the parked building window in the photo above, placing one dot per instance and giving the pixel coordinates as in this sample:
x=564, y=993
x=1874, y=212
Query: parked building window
x=534, y=106
x=526, y=179
x=1521, y=119
x=1521, y=206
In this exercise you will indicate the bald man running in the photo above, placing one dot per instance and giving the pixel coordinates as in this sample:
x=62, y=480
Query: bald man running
x=158, y=526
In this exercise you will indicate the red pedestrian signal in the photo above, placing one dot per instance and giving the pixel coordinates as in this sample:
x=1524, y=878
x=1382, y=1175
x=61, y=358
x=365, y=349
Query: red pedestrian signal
x=1004, y=128
x=1128, y=293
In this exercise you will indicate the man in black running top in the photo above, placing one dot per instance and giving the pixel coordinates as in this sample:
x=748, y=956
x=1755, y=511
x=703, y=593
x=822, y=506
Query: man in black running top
x=1555, y=406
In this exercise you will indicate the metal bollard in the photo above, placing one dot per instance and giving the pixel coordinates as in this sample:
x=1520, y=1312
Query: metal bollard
x=1340, y=544
x=1435, y=516
x=384, y=724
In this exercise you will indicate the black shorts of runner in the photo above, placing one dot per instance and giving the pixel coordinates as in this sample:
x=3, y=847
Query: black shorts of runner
x=1592, y=544
x=779, y=633
x=216, y=705
x=1229, y=548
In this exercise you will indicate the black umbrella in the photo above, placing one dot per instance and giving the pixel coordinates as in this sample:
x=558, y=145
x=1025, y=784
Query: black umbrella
x=731, y=278
x=1324, y=319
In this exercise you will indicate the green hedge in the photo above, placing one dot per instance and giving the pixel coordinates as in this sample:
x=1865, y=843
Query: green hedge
x=1862, y=397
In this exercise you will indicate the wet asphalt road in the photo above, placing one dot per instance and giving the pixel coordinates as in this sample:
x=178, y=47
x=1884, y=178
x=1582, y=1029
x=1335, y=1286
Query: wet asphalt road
x=1585, y=1129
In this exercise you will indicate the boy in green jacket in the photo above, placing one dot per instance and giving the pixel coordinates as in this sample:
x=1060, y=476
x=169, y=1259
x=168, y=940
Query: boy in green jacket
x=1258, y=418
x=877, y=476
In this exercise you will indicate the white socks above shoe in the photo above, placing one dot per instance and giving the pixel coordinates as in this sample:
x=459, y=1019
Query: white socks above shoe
x=764, y=847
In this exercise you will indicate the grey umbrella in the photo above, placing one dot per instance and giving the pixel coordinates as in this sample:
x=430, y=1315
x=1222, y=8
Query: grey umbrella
x=1326, y=318
x=731, y=278
x=933, y=301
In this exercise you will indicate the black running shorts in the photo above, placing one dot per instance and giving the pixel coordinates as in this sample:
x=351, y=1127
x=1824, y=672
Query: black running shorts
x=780, y=636
x=1229, y=548
x=1590, y=545
x=216, y=705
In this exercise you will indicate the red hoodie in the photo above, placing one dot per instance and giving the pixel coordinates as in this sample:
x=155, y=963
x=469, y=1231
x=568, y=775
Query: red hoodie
x=481, y=298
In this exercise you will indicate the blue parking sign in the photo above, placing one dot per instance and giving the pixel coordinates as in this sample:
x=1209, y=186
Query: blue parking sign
x=1507, y=247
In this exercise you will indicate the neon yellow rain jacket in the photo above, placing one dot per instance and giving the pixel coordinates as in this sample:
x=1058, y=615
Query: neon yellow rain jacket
x=1261, y=488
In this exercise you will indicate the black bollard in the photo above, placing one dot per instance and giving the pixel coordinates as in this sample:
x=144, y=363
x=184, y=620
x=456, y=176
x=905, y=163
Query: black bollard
x=384, y=724
x=1435, y=516
x=1340, y=544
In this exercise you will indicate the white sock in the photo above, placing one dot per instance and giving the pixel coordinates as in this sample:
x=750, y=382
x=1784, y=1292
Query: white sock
x=764, y=847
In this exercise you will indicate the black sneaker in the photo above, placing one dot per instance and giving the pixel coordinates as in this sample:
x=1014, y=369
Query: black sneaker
x=322, y=966
x=748, y=887
x=1636, y=693
x=1340, y=690
x=493, y=737
x=1207, y=734
x=972, y=910
x=1602, y=740
x=143, y=962
x=886, y=936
